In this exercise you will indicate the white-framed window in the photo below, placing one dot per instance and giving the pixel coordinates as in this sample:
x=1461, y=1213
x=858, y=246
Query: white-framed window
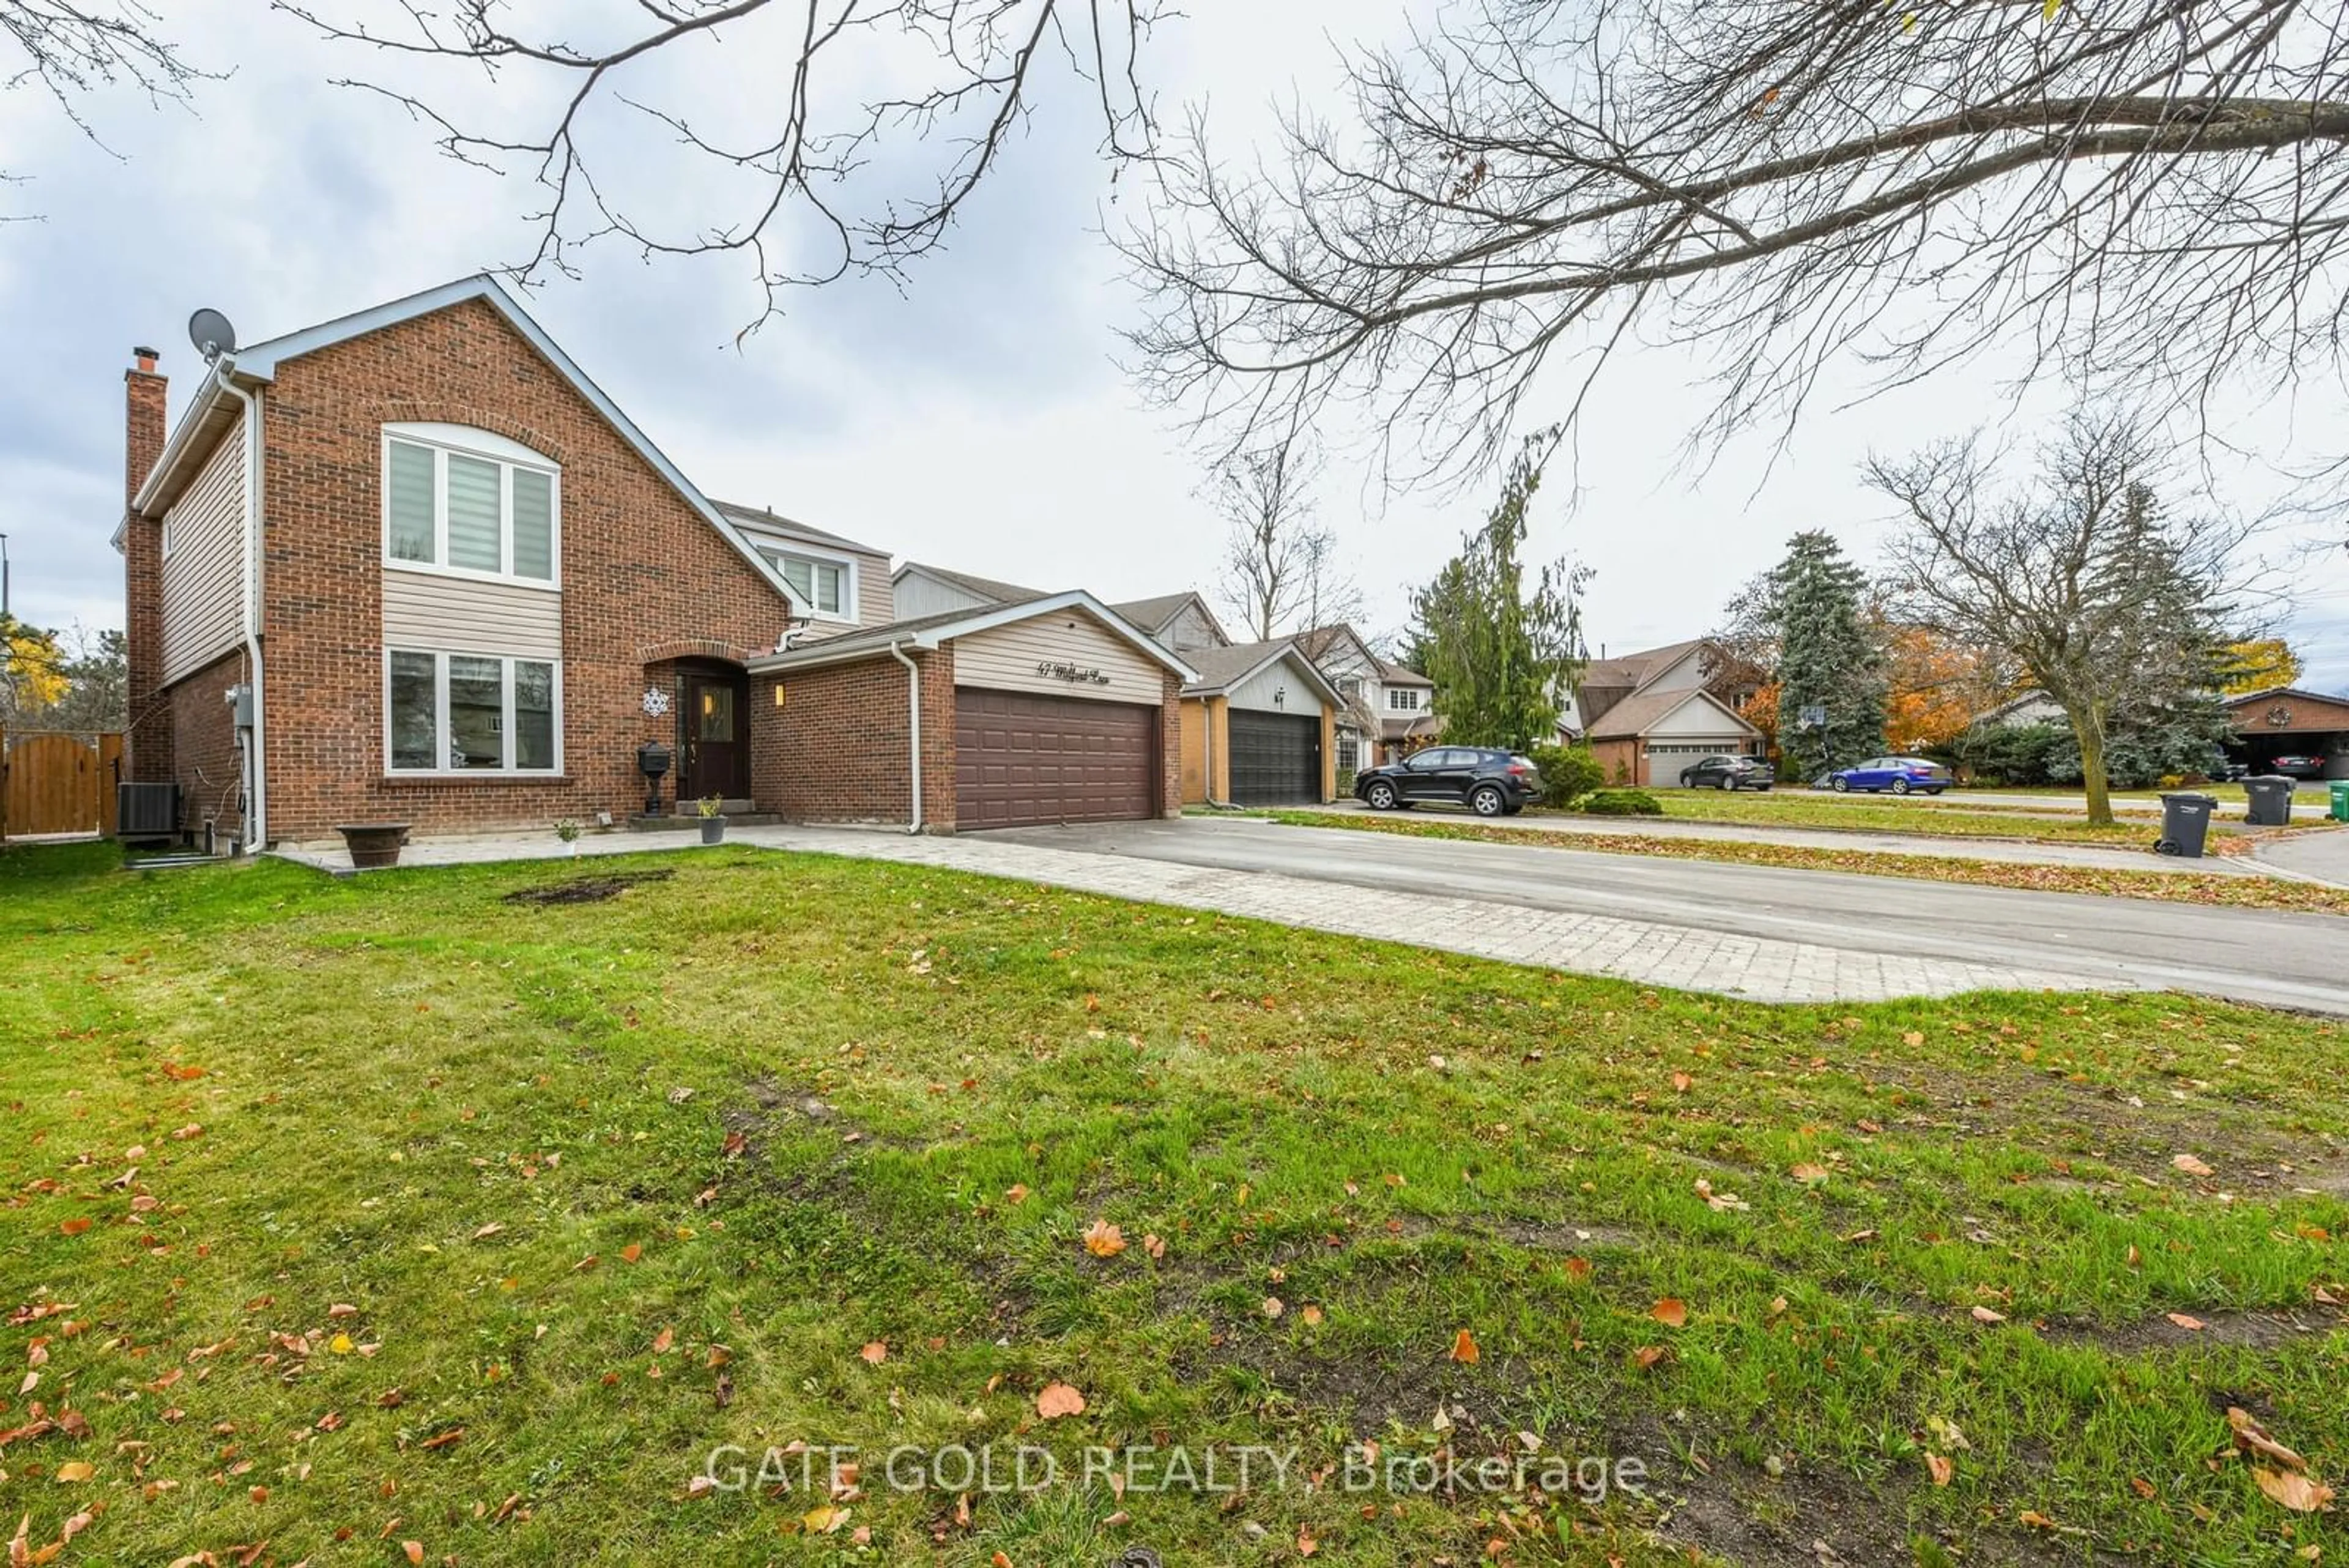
x=828, y=583
x=462, y=714
x=1403, y=699
x=470, y=504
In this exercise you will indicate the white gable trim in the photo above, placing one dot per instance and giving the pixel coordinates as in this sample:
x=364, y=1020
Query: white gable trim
x=1296, y=659
x=259, y=363
x=1735, y=724
x=940, y=633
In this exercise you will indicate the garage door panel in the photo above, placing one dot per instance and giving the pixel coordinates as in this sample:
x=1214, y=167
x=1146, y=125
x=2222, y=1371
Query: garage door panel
x=1276, y=758
x=1023, y=759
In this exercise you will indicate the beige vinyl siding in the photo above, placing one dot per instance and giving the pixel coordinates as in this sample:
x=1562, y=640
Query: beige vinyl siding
x=875, y=595
x=430, y=611
x=1255, y=692
x=204, y=574
x=918, y=595
x=1005, y=658
x=1190, y=628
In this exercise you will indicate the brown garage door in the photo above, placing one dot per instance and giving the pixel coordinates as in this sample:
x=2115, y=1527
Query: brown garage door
x=1023, y=759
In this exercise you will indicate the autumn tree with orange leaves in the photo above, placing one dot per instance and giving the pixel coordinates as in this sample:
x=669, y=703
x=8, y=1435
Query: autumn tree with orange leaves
x=1937, y=688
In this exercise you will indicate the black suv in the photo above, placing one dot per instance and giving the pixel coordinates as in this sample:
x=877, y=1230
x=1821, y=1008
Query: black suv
x=1729, y=773
x=1488, y=783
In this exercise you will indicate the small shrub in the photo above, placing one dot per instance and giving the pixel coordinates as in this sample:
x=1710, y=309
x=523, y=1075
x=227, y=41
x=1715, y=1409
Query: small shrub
x=1567, y=773
x=1623, y=802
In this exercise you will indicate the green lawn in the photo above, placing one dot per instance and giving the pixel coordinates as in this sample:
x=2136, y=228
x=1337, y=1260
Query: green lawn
x=1796, y=808
x=345, y=1215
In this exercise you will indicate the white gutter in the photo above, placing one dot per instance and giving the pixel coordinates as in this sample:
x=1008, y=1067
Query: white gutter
x=913, y=728
x=256, y=815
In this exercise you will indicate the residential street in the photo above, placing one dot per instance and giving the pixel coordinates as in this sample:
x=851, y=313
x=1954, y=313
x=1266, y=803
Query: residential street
x=2291, y=960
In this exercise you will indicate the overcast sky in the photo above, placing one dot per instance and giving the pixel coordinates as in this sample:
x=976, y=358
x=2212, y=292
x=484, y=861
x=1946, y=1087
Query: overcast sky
x=977, y=420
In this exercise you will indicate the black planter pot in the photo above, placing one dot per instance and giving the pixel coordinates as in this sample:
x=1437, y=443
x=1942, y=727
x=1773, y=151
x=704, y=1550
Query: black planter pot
x=374, y=844
x=713, y=830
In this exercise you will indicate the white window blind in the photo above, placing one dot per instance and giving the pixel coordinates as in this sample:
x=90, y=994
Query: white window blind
x=474, y=515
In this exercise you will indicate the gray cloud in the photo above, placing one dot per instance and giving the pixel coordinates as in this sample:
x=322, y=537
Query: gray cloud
x=976, y=418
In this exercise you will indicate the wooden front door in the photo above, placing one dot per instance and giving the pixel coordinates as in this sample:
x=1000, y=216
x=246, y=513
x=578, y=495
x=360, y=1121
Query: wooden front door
x=716, y=722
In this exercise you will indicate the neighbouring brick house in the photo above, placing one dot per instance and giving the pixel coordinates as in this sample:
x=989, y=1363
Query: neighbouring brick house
x=412, y=564
x=2285, y=721
x=1648, y=716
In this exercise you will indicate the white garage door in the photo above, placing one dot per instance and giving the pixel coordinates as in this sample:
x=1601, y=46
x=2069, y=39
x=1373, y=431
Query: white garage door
x=1665, y=761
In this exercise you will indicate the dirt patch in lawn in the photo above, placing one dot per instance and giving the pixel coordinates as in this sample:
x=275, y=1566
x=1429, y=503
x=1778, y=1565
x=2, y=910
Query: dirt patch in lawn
x=586, y=889
x=2250, y=1330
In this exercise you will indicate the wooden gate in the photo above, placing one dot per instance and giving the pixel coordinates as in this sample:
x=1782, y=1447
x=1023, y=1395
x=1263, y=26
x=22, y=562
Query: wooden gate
x=57, y=783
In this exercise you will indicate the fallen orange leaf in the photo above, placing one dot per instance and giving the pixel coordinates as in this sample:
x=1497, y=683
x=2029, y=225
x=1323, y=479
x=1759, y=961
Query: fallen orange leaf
x=1464, y=1348
x=2296, y=1492
x=1103, y=1239
x=1671, y=1312
x=1059, y=1400
x=875, y=1352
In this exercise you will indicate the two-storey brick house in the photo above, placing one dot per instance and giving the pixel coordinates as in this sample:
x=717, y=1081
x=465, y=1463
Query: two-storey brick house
x=412, y=564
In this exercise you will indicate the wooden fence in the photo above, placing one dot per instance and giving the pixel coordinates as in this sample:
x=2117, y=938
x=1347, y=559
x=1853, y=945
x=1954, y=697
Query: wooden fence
x=56, y=783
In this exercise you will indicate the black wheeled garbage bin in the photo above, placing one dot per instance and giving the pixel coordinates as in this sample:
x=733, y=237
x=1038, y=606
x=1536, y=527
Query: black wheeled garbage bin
x=2185, y=824
x=2271, y=802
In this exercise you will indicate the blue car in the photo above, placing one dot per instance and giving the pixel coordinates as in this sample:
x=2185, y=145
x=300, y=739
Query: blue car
x=1902, y=775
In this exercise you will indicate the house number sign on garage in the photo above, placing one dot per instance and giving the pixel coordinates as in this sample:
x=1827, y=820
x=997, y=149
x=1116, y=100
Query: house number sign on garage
x=1075, y=674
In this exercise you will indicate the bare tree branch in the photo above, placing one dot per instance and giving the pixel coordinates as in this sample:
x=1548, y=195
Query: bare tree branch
x=2156, y=188
x=69, y=50
x=829, y=193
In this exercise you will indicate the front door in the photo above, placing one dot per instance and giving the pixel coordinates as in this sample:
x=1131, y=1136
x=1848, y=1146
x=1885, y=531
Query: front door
x=717, y=751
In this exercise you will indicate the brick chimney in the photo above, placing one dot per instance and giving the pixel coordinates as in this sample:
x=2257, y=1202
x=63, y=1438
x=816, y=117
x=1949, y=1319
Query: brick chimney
x=148, y=743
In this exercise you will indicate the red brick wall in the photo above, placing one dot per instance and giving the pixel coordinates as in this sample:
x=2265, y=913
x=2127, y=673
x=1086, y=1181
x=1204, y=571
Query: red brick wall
x=836, y=750
x=640, y=569
x=204, y=752
x=147, y=744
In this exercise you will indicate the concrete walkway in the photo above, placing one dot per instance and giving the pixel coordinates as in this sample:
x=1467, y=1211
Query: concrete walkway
x=1835, y=840
x=1647, y=952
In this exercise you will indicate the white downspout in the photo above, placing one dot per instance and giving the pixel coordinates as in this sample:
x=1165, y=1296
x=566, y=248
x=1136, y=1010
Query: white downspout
x=913, y=728
x=256, y=815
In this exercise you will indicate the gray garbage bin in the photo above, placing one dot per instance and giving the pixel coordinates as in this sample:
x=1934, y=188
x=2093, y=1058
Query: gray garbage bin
x=2185, y=823
x=2271, y=802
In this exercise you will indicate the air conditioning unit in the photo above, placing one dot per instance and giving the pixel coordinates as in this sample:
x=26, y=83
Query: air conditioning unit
x=145, y=811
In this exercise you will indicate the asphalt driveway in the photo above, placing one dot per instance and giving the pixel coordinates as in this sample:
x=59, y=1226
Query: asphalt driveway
x=2282, y=960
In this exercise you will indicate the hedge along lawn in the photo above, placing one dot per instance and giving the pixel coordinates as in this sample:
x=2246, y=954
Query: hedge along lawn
x=2209, y=889
x=418, y=1210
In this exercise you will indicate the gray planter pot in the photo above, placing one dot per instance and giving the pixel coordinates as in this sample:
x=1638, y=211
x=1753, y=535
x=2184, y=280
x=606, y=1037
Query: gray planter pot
x=713, y=830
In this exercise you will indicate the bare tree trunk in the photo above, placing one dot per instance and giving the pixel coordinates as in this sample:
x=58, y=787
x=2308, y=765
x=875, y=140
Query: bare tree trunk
x=2090, y=731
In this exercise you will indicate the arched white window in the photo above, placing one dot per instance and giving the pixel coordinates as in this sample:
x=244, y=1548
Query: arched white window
x=470, y=504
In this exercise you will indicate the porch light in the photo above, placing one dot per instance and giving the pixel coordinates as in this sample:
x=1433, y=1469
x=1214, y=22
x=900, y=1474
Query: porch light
x=1280, y=696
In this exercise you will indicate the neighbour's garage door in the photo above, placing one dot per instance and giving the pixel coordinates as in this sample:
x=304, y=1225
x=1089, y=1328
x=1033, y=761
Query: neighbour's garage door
x=1665, y=762
x=1021, y=760
x=1276, y=758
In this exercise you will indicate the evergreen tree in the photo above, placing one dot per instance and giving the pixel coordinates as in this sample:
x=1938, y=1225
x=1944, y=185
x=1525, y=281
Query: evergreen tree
x=1830, y=665
x=1502, y=658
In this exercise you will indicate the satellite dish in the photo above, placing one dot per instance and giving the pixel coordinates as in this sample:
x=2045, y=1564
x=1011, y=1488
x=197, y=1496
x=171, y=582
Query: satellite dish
x=210, y=331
